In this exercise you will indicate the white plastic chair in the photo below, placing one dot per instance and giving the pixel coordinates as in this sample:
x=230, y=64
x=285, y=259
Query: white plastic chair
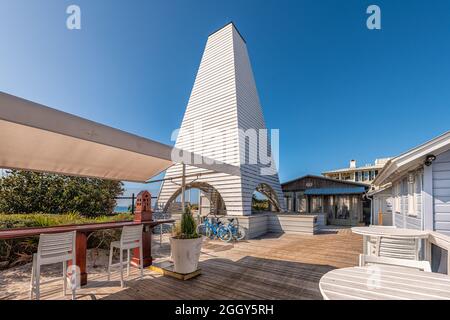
x=402, y=252
x=415, y=264
x=400, y=248
x=53, y=248
x=131, y=238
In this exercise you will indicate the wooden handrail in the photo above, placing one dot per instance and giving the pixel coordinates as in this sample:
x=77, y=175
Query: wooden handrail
x=6, y=234
x=82, y=230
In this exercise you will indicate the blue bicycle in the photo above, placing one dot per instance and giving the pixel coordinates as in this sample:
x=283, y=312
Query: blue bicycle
x=237, y=232
x=212, y=230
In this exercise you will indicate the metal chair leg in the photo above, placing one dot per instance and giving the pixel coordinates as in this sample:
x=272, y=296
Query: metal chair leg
x=121, y=267
x=33, y=277
x=38, y=281
x=128, y=262
x=111, y=252
x=141, y=259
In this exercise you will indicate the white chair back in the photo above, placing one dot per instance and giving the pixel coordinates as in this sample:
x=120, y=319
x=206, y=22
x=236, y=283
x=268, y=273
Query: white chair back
x=420, y=265
x=398, y=248
x=57, y=247
x=131, y=236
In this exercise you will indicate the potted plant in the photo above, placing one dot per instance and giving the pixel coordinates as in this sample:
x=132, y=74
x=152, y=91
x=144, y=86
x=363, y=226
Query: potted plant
x=186, y=244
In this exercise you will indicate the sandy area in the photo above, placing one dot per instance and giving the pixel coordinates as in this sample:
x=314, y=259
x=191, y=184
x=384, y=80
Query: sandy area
x=17, y=279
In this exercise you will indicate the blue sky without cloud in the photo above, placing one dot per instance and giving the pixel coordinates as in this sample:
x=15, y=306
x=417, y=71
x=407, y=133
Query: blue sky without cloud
x=336, y=90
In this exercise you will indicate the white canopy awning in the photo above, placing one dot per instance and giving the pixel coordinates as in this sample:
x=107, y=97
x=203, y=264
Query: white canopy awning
x=38, y=138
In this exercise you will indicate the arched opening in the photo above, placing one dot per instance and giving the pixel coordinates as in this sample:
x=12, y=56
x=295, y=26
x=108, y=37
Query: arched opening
x=202, y=197
x=265, y=199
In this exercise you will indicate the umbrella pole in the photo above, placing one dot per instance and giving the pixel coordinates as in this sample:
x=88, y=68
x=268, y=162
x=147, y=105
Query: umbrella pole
x=183, y=187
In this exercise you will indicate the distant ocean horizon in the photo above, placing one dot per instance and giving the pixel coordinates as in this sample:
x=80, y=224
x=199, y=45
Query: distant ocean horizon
x=121, y=209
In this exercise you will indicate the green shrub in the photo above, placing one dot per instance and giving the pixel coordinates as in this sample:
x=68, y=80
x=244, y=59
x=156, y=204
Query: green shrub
x=187, y=227
x=31, y=192
x=19, y=251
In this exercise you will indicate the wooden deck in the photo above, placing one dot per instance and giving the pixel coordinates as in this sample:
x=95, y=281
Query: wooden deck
x=272, y=267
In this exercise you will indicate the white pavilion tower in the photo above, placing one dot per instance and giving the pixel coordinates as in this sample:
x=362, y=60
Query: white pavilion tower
x=224, y=102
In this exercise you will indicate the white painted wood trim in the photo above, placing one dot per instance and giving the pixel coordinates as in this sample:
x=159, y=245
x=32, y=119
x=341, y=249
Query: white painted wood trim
x=427, y=199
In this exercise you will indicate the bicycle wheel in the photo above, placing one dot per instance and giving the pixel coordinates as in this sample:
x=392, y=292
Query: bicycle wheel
x=201, y=228
x=204, y=230
x=224, y=234
x=239, y=233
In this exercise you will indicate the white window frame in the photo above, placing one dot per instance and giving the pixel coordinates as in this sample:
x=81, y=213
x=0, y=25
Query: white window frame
x=411, y=194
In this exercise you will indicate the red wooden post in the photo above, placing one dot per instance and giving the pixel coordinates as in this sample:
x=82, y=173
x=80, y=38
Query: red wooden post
x=80, y=248
x=143, y=212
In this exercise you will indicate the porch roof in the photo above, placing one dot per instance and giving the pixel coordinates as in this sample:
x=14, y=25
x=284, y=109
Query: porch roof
x=334, y=191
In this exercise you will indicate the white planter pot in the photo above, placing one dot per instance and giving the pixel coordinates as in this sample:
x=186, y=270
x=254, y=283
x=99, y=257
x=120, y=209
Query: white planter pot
x=185, y=254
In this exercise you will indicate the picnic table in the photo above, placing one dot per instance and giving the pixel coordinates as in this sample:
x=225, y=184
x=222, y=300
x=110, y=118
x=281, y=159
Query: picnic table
x=379, y=282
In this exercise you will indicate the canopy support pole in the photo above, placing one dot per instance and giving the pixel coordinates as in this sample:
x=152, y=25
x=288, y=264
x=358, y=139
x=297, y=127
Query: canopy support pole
x=183, y=186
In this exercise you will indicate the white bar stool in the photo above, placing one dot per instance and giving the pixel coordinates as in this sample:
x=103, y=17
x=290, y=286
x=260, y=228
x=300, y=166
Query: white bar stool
x=54, y=248
x=131, y=238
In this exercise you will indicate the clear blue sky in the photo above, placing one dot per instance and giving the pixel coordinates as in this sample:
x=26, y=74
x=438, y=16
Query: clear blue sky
x=335, y=90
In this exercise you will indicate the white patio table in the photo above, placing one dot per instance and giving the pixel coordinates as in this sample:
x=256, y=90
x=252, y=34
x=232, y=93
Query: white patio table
x=380, y=282
x=368, y=232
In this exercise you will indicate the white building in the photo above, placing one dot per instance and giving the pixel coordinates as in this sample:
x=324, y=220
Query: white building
x=419, y=184
x=363, y=174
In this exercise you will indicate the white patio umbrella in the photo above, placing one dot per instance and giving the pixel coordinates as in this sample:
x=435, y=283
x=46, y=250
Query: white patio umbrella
x=38, y=138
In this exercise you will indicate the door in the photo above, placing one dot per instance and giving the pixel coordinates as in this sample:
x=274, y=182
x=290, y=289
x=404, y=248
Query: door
x=383, y=205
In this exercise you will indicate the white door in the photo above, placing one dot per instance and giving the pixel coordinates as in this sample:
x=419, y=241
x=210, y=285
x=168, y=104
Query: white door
x=385, y=204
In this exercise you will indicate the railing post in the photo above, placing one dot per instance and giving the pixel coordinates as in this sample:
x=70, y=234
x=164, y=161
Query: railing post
x=80, y=256
x=428, y=252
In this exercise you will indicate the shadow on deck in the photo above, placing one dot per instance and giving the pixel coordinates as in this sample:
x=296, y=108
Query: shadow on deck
x=248, y=278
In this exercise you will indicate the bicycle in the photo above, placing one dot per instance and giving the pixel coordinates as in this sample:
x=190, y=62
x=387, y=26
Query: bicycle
x=237, y=232
x=211, y=230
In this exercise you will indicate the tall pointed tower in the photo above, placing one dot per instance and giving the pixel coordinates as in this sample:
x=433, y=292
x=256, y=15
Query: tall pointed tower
x=223, y=112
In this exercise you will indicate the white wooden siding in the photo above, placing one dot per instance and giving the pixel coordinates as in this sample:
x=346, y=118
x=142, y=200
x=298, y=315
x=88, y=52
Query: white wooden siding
x=224, y=98
x=441, y=193
x=405, y=217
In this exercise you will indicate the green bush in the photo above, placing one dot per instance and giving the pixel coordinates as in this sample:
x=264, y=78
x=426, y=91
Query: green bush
x=19, y=251
x=31, y=192
x=187, y=228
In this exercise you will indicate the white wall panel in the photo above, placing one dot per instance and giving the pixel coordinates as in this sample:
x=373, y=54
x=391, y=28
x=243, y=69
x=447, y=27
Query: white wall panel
x=224, y=98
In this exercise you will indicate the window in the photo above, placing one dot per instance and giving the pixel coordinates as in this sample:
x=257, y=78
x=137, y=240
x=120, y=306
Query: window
x=301, y=203
x=357, y=176
x=288, y=203
x=365, y=176
x=414, y=194
x=316, y=204
x=397, y=198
